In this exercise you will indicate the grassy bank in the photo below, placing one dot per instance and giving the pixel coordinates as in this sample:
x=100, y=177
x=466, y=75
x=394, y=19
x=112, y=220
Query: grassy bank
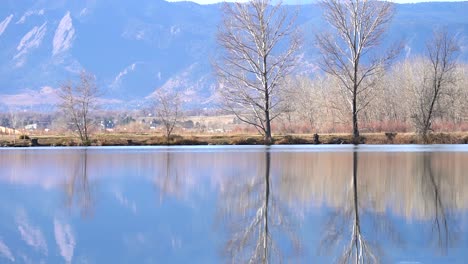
x=145, y=139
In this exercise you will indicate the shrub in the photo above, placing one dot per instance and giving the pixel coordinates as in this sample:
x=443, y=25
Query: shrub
x=23, y=137
x=390, y=136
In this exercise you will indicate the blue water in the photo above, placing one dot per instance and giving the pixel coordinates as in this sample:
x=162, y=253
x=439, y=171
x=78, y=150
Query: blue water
x=403, y=204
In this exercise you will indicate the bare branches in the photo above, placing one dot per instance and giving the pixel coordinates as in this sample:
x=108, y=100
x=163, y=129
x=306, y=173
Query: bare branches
x=254, y=63
x=169, y=110
x=78, y=103
x=442, y=53
x=358, y=28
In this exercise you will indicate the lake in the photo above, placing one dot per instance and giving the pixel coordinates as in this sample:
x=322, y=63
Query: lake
x=292, y=204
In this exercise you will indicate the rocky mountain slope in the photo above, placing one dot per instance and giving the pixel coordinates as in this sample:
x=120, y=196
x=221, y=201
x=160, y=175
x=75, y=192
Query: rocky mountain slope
x=136, y=48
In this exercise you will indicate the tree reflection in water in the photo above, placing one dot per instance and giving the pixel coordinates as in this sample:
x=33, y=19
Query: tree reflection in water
x=169, y=182
x=356, y=247
x=437, y=196
x=257, y=223
x=77, y=185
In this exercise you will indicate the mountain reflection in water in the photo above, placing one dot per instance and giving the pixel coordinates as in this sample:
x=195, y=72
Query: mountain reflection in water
x=233, y=205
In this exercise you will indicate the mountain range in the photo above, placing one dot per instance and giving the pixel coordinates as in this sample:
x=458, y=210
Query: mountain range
x=137, y=47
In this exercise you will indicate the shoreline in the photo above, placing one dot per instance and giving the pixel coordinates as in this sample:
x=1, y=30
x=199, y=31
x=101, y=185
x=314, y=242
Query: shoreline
x=147, y=139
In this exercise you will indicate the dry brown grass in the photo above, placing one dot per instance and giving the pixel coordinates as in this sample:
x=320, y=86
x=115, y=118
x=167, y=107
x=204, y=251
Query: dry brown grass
x=148, y=139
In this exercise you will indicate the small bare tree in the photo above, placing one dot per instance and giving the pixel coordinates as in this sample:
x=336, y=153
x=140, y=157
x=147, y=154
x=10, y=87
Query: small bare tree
x=169, y=110
x=308, y=99
x=14, y=122
x=259, y=41
x=78, y=102
x=442, y=51
x=359, y=26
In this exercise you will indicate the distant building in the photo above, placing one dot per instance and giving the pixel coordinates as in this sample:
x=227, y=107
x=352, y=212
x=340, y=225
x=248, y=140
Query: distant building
x=107, y=124
x=31, y=127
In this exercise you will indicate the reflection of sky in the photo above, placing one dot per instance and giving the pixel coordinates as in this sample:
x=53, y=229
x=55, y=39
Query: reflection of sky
x=65, y=240
x=6, y=252
x=142, y=214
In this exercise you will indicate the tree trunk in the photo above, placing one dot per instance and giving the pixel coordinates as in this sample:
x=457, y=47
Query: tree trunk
x=427, y=121
x=168, y=135
x=355, y=122
x=268, y=139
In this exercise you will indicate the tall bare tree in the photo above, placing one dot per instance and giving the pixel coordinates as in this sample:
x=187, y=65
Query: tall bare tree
x=168, y=110
x=259, y=41
x=78, y=102
x=358, y=27
x=442, y=51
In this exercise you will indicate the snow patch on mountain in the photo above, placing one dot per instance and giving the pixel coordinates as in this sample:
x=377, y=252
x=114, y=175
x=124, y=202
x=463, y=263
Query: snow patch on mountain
x=64, y=35
x=127, y=70
x=30, y=13
x=142, y=31
x=4, y=23
x=31, y=40
x=84, y=12
x=185, y=84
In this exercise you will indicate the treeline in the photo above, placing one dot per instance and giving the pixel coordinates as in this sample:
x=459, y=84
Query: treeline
x=358, y=84
x=397, y=103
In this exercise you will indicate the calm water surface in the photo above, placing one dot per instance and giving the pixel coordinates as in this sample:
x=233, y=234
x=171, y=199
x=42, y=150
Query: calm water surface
x=404, y=204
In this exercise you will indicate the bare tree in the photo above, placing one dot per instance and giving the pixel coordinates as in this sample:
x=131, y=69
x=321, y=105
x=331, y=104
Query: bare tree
x=308, y=100
x=259, y=41
x=78, y=102
x=394, y=89
x=359, y=26
x=442, y=52
x=169, y=110
x=14, y=122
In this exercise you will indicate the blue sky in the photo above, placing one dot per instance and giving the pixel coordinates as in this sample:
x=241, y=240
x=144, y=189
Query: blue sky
x=305, y=1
